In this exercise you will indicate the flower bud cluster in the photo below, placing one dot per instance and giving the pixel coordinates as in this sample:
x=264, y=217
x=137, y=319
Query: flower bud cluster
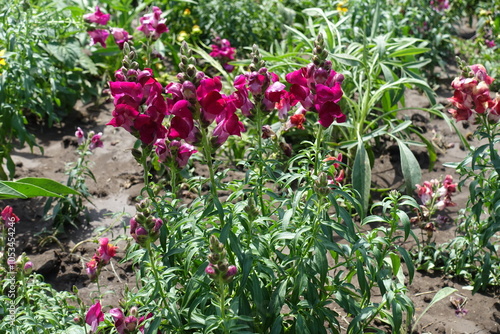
x=144, y=227
x=218, y=268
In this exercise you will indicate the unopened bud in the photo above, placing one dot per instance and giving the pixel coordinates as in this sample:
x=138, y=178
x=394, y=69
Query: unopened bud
x=267, y=132
x=191, y=71
x=133, y=311
x=28, y=267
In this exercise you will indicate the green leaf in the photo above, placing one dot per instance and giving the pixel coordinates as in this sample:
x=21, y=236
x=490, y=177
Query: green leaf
x=410, y=167
x=408, y=52
x=441, y=294
x=34, y=187
x=346, y=59
x=361, y=176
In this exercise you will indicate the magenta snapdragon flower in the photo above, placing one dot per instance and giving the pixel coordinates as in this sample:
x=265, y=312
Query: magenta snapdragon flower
x=96, y=141
x=98, y=36
x=131, y=98
x=121, y=36
x=318, y=89
x=223, y=51
x=8, y=216
x=152, y=25
x=440, y=5
x=97, y=17
x=94, y=316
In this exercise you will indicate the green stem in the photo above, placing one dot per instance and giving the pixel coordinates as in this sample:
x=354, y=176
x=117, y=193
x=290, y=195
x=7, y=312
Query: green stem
x=221, y=287
x=317, y=144
x=152, y=260
x=173, y=178
x=207, y=152
x=260, y=162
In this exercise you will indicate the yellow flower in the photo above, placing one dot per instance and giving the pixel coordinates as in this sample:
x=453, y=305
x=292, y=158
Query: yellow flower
x=196, y=29
x=182, y=36
x=186, y=12
x=2, y=60
x=342, y=6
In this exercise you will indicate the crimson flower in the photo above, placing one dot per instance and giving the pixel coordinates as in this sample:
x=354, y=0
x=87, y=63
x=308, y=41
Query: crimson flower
x=317, y=89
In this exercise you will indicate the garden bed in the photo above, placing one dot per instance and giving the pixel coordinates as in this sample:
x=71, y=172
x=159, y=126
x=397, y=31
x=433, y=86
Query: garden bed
x=119, y=182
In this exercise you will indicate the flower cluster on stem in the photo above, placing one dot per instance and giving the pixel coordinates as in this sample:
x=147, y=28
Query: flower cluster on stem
x=435, y=195
x=102, y=257
x=472, y=94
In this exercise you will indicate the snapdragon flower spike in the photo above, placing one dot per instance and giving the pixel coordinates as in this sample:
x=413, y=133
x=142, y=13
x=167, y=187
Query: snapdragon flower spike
x=145, y=228
x=318, y=87
x=472, y=94
x=139, y=107
x=440, y=5
x=97, y=17
x=218, y=268
x=152, y=25
x=437, y=192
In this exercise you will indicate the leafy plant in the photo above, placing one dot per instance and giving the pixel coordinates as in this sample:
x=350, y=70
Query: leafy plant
x=42, y=55
x=67, y=210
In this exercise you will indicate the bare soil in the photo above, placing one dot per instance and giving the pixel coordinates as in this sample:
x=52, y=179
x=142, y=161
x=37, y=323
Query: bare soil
x=119, y=182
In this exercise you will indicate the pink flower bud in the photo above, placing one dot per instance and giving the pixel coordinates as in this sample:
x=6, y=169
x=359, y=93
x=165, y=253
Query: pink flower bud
x=80, y=135
x=210, y=270
x=28, y=267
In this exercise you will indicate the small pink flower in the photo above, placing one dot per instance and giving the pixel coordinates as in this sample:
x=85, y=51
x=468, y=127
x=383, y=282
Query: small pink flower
x=94, y=316
x=119, y=320
x=121, y=36
x=93, y=267
x=9, y=216
x=210, y=270
x=97, y=17
x=106, y=250
x=151, y=24
x=98, y=36
x=231, y=271
x=490, y=43
x=96, y=141
x=28, y=267
x=80, y=135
